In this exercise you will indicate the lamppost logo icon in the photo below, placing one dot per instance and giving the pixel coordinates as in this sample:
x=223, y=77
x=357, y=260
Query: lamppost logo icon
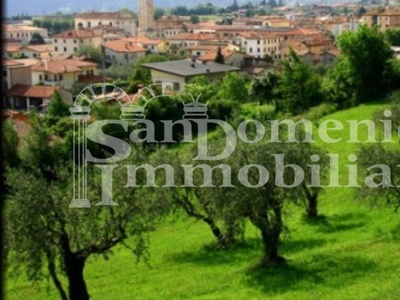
x=195, y=109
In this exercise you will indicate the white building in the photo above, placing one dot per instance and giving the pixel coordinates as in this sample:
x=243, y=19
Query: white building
x=258, y=45
x=122, y=52
x=69, y=42
x=22, y=33
x=340, y=27
x=123, y=19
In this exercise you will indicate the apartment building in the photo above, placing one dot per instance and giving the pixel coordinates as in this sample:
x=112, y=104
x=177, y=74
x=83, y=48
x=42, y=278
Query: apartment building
x=69, y=42
x=385, y=18
x=123, y=19
x=22, y=33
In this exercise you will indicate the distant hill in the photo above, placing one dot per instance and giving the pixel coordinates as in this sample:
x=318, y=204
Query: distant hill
x=34, y=7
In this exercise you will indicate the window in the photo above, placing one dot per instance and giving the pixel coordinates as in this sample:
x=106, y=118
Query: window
x=250, y=50
x=60, y=77
x=40, y=77
x=55, y=48
x=176, y=86
x=258, y=42
x=4, y=73
x=55, y=41
x=65, y=49
x=258, y=50
x=74, y=41
x=64, y=41
x=75, y=49
x=46, y=77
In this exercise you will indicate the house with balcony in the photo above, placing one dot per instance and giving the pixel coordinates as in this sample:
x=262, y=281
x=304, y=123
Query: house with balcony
x=152, y=45
x=16, y=50
x=63, y=72
x=122, y=52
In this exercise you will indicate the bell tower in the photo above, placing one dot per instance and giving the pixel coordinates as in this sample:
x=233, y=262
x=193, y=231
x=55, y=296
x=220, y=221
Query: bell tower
x=147, y=26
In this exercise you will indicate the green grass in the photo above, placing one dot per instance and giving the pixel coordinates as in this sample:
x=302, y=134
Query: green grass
x=350, y=252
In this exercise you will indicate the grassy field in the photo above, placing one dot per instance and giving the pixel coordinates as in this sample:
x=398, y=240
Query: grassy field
x=351, y=252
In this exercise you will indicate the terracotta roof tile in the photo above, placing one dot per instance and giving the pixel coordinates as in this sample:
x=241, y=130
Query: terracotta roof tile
x=226, y=52
x=123, y=46
x=62, y=65
x=103, y=15
x=193, y=37
x=77, y=33
x=32, y=91
x=9, y=27
x=143, y=40
x=40, y=48
x=12, y=48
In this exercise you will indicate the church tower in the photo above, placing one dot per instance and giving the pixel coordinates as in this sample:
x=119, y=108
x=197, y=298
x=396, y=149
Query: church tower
x=147, y=26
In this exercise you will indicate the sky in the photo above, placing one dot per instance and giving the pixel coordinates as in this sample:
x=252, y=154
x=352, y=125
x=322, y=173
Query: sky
x=38, y=7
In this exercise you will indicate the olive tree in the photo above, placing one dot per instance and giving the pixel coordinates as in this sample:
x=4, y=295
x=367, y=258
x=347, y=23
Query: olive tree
x=46, y=236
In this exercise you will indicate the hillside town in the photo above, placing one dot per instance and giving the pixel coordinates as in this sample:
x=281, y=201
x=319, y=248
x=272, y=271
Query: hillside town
x=250, y=44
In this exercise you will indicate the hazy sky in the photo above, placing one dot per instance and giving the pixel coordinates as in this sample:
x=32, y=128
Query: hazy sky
x=35, y=7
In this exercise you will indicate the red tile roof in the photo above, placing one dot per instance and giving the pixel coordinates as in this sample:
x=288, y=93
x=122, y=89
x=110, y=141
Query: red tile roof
x=62, y=65
x=123, y=46
x=27, y=62
x=142, y=40
x=226, y=52
x=34, y=91
x=12, y=48
x=40, y=48
x=77, y=33
x=93, y=78
x=193, y=37
x=102, y=15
